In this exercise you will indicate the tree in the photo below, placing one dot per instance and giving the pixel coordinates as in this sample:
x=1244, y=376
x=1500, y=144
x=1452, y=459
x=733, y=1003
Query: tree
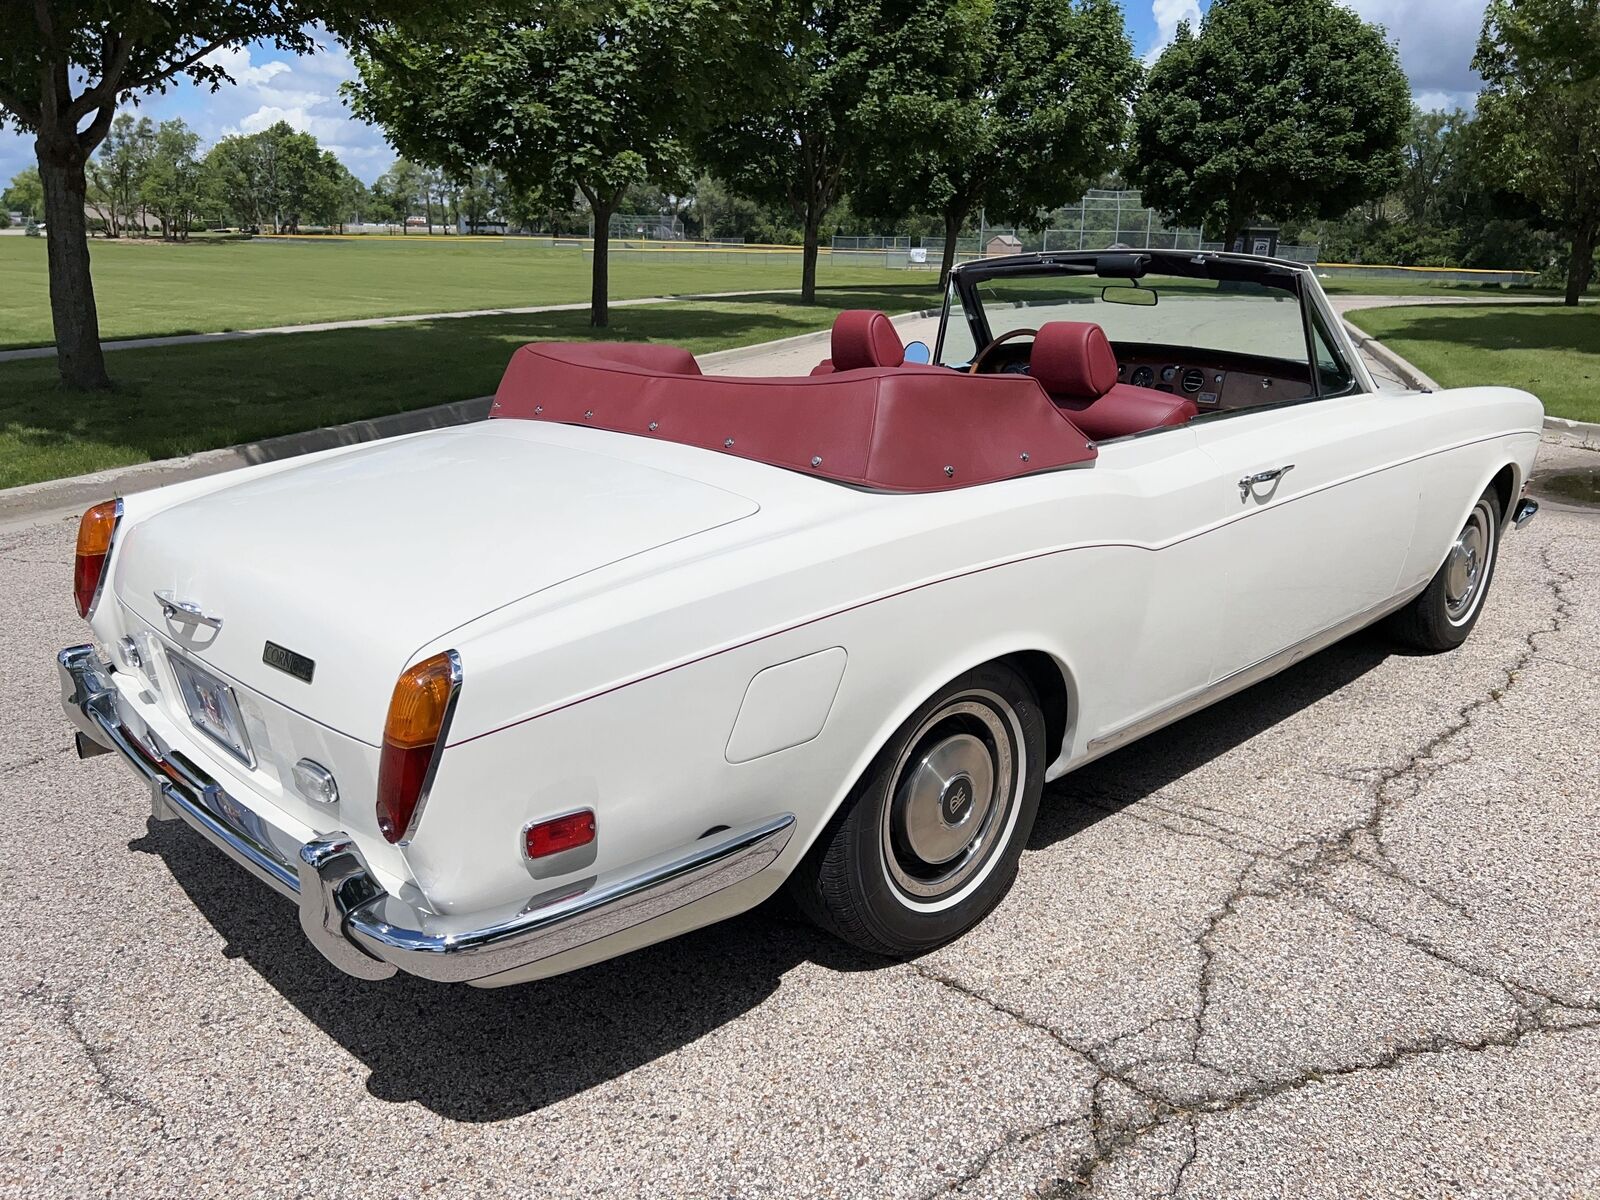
x=116, y=176
x=1540, y=113
x=395, y=192
x=1000, y=105
x=480, y=195
x=1284, y=109
x=172, y=178
x=65, y=66
x=786, y=135
x=1433, y=163
x=25, y=195
x=576, y=101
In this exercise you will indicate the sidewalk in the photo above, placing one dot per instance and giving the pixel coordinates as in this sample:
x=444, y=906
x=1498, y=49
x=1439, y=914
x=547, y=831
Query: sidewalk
x=195, y=339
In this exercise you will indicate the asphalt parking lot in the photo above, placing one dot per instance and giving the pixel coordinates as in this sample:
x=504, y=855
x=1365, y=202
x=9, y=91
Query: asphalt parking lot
x=1338, y=936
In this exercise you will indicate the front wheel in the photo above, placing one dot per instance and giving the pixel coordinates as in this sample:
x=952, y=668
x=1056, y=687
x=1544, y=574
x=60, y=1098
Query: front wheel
x=1444, y=614
x=929, y=839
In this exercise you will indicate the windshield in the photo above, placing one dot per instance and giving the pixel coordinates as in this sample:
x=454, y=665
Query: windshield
x=1237, y=317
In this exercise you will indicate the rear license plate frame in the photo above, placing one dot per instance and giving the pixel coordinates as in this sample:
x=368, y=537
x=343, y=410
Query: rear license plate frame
x=213, y=707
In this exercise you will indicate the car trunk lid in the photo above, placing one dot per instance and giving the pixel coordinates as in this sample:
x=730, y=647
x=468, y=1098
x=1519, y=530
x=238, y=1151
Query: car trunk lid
x=341, y=569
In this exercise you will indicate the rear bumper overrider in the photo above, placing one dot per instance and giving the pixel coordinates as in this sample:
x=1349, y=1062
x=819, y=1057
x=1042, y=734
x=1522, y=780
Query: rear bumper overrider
x=369, y=932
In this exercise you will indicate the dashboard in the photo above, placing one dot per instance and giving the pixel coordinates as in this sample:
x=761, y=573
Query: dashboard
x=1212, y=382
x=1215, y=382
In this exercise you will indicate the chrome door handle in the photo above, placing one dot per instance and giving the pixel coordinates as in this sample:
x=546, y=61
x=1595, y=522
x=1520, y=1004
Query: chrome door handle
x=1248, y=483
x=185, y=612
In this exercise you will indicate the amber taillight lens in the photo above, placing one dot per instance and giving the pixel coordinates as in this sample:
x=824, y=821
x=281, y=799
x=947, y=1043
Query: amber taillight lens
x=419, y=712
x=96, y=528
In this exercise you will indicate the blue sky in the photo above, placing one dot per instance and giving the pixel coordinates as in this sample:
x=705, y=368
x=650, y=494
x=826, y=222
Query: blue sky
x=1436, y=39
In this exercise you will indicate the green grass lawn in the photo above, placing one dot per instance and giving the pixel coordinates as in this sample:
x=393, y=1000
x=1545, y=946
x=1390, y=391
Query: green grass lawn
x=150, y=288
x=1549, y=350
x=181, y=399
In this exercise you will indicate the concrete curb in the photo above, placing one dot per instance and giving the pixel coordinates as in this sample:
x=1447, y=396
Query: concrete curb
x=79, y=491
x=1585, y=435
x=1408, y=374
x=1558, y=431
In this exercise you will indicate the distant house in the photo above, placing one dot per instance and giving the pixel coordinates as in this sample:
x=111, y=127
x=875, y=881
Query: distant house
x=1002, y=244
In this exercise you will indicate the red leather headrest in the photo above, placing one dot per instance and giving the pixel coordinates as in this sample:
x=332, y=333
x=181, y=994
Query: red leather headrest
x=863, y=337
x=1073, y=358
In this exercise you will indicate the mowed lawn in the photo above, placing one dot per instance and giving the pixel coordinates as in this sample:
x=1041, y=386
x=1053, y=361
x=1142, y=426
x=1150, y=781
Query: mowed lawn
x=181, y=399
x=1549, y=350
x=151, y=288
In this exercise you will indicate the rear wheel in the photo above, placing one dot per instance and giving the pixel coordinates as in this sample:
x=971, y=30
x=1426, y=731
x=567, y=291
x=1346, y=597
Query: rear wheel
x=1444, y=614
x=929, y=839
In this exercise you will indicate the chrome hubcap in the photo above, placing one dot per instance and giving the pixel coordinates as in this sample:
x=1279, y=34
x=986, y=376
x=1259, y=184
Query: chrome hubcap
x=954, y=791
x=1467, y=563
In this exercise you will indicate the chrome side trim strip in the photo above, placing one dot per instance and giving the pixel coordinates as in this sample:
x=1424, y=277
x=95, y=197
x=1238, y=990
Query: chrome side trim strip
x=368, y=932
x=1242, y=678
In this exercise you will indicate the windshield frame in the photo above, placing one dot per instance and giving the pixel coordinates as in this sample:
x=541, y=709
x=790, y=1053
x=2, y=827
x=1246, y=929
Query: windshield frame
x=1294, y=279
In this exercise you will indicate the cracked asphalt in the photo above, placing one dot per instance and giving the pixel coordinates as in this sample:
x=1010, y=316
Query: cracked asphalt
x=1337, y=936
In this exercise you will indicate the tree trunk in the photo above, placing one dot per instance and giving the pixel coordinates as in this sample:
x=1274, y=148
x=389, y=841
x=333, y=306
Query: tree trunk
x=72, y=309
x=599, y=293
x=808, y=257
x=1581, y=267
x=953, y=220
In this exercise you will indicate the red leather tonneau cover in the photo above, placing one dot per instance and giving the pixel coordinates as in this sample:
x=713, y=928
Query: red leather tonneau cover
x=903, y=429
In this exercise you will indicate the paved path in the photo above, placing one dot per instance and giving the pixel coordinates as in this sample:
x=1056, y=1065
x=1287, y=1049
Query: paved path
x=194, y=339
x=1342, y=304
x=1339, y=936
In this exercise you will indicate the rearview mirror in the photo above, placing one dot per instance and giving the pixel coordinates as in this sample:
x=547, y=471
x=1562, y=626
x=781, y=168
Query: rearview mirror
x=1130, y=295
x=918, y=352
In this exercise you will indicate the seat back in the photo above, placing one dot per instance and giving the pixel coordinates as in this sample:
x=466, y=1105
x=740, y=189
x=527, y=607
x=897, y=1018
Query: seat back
x=862, y=338
x=1074, y=362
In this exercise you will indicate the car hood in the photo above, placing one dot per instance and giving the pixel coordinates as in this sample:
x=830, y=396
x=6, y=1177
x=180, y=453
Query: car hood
x=358, y=560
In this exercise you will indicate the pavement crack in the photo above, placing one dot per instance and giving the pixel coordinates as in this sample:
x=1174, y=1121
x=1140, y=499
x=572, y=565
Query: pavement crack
x=64, y=1007
x=1300, y=868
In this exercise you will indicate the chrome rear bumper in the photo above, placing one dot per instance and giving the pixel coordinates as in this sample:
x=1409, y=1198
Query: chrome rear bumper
x=368, y=932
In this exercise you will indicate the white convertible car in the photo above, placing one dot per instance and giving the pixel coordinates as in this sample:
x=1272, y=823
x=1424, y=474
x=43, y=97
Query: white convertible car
x=495, y=702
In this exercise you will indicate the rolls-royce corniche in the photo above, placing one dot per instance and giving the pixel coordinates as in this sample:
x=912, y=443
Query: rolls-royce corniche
x=646, y=646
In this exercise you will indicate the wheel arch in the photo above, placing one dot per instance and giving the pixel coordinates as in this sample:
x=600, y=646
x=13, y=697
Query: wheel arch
x=1507, y=484
x=1046, y=671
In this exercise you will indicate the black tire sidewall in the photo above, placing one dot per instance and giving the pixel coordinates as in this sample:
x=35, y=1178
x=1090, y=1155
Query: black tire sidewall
x=1452, y=633
x=887, y=917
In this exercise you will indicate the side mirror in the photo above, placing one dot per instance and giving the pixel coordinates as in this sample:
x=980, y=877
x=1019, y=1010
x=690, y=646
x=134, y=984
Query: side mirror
x=1130, y=295
x=918, y=352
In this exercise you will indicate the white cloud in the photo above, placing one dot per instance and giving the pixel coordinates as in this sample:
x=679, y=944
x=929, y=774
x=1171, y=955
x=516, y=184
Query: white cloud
x=1437, y=40
x=1168, y=14
x=236, y=61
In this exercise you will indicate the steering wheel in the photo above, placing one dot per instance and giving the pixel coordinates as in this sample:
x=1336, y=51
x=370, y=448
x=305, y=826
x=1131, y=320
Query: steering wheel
x=983, y=355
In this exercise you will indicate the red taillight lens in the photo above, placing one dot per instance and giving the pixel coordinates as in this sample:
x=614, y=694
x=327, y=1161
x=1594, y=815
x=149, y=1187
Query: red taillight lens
x=419, y=713
x=96, y=528
x=560, y=833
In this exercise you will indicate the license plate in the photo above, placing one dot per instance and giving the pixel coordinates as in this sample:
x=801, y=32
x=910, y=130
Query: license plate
x=213, y=708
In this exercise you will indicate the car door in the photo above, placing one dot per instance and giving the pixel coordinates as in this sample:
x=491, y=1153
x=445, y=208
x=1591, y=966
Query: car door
x=1316, y=502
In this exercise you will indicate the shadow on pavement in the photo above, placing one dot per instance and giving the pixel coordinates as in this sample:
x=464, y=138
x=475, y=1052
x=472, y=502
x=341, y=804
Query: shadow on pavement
x=1150, y=764
x=472, y=1055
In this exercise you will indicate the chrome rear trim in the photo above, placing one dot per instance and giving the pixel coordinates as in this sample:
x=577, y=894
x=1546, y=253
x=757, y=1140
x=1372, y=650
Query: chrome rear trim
x=368, y=932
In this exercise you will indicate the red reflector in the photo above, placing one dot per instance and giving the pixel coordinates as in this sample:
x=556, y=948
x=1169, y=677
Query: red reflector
x=560, y=833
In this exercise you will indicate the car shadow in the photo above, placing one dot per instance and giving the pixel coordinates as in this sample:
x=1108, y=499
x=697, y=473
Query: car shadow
x=473, y=1055
x=1144, y=767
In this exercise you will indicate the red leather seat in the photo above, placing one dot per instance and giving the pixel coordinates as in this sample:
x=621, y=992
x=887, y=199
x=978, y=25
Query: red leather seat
x=862, y=338
x=1073, y=361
